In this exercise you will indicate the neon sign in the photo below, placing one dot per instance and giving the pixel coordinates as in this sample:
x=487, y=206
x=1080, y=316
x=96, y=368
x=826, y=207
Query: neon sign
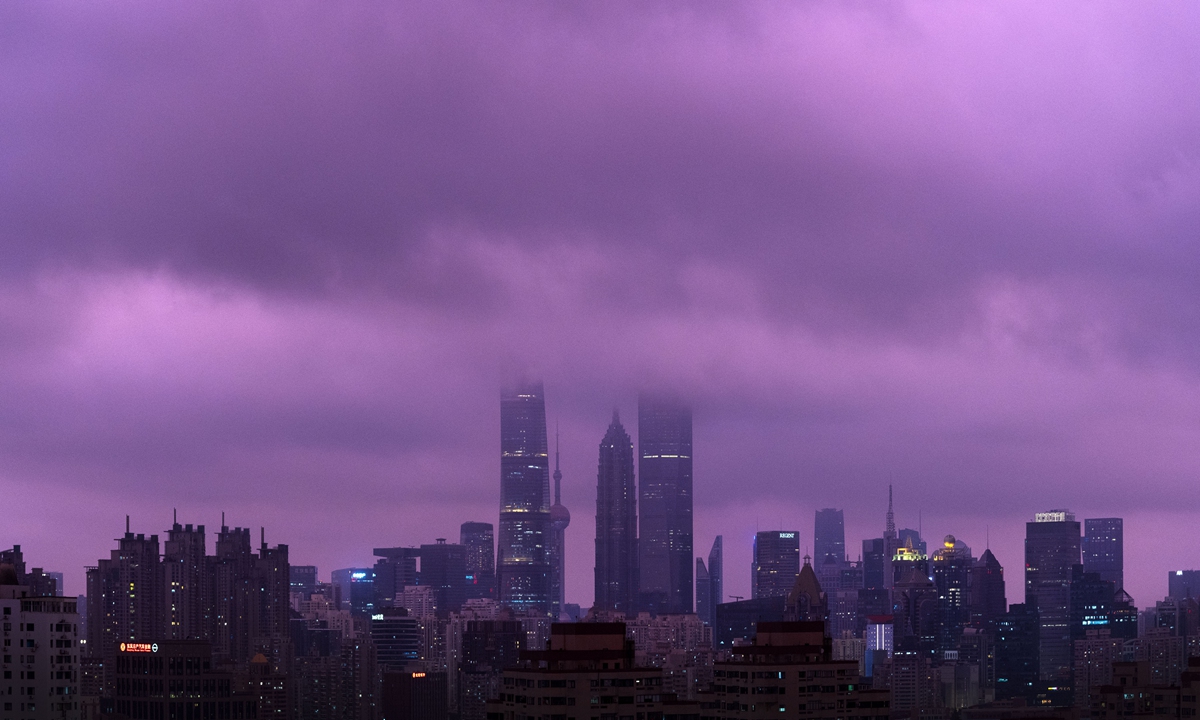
x=139, y=647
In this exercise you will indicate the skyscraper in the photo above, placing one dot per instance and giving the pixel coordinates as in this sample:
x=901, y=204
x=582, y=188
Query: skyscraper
x=560, y=518
x=523, y=562
x=444, y=568
x=829, y=537
x=186, y=573
x=1104, y=549
x=951, y=565
x=479, y=540
x=1051, y=552
x=708, y=584
x=616, y=522
x=775, y=564
x=986, y=594
x=665, y=499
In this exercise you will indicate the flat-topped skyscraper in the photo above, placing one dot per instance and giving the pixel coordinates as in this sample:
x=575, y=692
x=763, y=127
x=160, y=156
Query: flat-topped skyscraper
x=523, y=554
x=665, y=500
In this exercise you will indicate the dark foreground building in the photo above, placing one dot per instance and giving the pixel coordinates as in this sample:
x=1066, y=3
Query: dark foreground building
x=176, y=680
x=414, y=696
x=587, y=671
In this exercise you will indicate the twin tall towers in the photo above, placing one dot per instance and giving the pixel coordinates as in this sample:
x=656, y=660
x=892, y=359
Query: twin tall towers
x=646, y=566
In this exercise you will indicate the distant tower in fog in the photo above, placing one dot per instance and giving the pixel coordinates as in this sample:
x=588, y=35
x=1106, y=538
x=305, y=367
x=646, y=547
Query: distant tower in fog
x=829, y=536
x=665, y=504
x=560, y=518
x=523, y=555
x=616, y=522
x=479, y=541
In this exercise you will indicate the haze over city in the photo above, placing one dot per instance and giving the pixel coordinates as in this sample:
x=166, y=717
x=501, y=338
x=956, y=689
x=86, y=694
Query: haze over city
x=277, y=261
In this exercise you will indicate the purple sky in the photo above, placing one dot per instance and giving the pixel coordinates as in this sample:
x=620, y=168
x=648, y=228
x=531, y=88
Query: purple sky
x=276, y=259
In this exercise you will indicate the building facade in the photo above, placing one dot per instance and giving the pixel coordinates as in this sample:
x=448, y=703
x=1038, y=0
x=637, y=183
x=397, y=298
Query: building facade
x=1052, y=550
x=40, y=659
x=775, y=563
x=523, y=563
x=616, y=581
x=665, y=504
x=1103, y=547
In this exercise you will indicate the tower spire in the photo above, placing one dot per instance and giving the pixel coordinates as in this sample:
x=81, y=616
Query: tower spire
x=890, y=530
x=557, y=472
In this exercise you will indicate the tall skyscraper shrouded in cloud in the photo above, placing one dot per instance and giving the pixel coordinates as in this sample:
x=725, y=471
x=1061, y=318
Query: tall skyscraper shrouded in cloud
x=829, y=536
x=560, y=518
x=1104, y=549
x=616, y=522
x=523, y=556
x=478, y=538
x=665, y=503
x=775, y=563
x=1052, y=543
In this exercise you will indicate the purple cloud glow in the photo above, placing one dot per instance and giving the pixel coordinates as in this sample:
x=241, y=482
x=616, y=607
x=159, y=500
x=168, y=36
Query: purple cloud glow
x=276, y=259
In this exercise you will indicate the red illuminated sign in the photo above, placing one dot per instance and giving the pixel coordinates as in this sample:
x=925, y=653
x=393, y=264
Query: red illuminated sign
x=139, y=647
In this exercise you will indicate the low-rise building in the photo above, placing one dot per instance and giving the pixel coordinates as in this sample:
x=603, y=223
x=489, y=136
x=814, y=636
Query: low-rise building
x=587, y=671
x=789, y=672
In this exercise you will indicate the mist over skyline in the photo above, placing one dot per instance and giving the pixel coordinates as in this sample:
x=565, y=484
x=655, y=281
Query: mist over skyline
x=278, y=259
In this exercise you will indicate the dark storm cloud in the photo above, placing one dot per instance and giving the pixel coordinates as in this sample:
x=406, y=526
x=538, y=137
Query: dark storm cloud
x=277, y=258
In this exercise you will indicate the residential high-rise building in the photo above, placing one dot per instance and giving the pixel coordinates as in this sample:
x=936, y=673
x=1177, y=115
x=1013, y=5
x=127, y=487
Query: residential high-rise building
x=616, y=522
x=479, y=540
x=829, y=537
x=1104, y=549
x=1052, y=550
x=125, y=596
x=523, y=557
x=560, y=518
x=665, y=503
x=185, y=570
x=41, y=652
x=775, y=563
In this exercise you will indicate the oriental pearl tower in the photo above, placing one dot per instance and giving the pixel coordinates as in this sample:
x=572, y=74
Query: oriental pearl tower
x=560, y=518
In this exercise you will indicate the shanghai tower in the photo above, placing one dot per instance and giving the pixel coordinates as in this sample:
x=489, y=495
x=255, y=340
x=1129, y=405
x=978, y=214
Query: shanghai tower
x=616, y=522
x=665, y=500
x=523, y=564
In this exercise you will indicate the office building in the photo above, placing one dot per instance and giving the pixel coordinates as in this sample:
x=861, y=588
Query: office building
x=716, y=576
x=395, y=570
x=444, y=568
x=479, y=541
x=523, y=556
x=396, y=636
x=177, y=679
x=874, y=563
x=986, y=598
x=952, y=565
x=1183, y=584
x=775, y=563
x=616, y=582
x=356, y=588
x=1103, y=547
x=1017, y=674
x=704, y=610
x=303, y=580
x=789, y=671
x=560, y=518
x=487, y=647
x=829, y=537
x=40, y=653
x=416, y=695
x=1052, y=550
x=665, y=504
x=738, y=621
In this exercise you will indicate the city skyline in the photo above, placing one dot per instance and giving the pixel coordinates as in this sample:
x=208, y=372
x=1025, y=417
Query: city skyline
x=277, y=262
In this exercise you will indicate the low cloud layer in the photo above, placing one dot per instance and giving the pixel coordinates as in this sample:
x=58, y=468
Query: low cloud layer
x=276, y=260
